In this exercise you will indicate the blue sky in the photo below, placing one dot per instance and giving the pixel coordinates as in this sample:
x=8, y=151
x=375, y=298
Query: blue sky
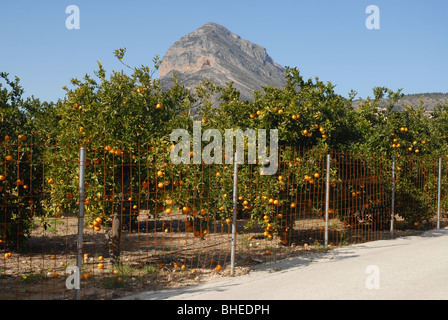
x=323, y=38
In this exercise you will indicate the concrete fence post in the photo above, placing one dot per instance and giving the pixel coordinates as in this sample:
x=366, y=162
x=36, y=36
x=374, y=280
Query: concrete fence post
x=439, y=189
x=392, y=211
x=327, y=200
x=235, y=203
x=82, y=167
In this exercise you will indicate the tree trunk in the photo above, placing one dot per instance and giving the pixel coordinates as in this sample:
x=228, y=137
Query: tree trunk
x=115, y=233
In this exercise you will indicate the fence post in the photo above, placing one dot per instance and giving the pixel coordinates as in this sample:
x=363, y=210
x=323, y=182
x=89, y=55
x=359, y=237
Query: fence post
x=82, y=167
x=439, y=187
x=327, y=200
x=392, y=213
x=235, y=199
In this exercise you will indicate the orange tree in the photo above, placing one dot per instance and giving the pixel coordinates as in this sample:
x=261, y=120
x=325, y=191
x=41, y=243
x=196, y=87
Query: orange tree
x=439, y=130
x=21, y=169
x=124, y=122
x=310, y=119
x=411, y=137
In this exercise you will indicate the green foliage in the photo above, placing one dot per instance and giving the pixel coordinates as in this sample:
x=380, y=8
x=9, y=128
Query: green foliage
x=124, y=122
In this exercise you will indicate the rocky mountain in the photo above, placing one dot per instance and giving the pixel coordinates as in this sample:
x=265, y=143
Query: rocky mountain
x=214, y=53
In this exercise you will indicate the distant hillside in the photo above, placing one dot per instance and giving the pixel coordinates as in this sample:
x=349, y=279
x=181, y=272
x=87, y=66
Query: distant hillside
x=430, y=100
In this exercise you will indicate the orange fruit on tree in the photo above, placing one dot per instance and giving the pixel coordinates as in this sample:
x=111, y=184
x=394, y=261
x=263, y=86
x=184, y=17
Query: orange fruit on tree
x=100, y=266
x=158, y=106
x=185, y=209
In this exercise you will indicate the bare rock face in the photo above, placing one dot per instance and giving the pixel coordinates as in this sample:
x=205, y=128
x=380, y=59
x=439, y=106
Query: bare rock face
x=214, y=53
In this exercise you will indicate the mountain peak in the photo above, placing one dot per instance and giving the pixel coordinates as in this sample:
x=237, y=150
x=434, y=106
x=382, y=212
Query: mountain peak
x=214, y=53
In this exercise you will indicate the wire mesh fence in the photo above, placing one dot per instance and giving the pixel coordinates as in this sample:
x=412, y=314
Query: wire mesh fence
x=147, y=223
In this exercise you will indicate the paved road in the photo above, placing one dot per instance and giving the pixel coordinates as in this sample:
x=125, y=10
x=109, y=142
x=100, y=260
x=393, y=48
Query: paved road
x=411, y=268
